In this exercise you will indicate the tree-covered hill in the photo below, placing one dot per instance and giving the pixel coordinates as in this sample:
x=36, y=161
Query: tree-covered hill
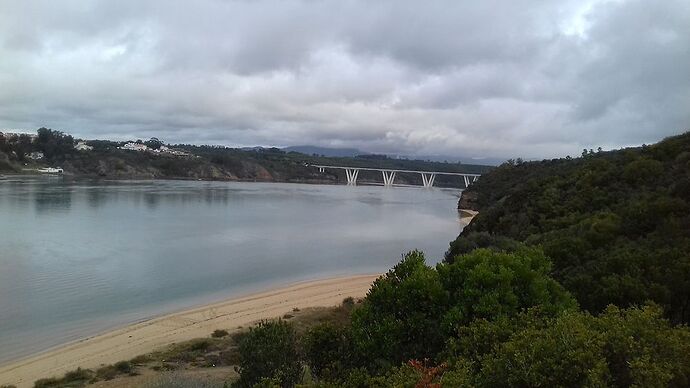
x=106, y=159
x=615, y=224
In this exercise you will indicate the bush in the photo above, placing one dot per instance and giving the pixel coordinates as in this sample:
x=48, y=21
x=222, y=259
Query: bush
x=328, y=351
x=269, y=350
x=199, y=345
x=487, y=284
x=634, y=347
x=107, y=372
x=124, y=367
x=400, y=318
x=349, y=302
x=175, y=380
x=140, y=360
x=411, y=312
x=219, y=333
x=568, y=353
x=466, y=244
x=75, y=378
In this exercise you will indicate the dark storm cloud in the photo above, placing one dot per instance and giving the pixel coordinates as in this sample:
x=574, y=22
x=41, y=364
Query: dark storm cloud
x=493, y=78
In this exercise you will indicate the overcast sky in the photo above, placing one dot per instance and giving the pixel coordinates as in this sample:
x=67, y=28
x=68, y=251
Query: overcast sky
x=485, y=78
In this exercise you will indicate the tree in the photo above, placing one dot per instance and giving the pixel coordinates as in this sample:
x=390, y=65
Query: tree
x=414, y=310
x=54, y=143
x=154, y=143
x=615, y=224
x=486, y=284
x=400, y=318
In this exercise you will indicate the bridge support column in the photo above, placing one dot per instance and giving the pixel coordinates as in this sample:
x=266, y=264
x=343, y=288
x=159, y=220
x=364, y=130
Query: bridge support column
x=428, y=179
x=388, y=177
x=351, y=175
x=467, y=181
x=322, y=169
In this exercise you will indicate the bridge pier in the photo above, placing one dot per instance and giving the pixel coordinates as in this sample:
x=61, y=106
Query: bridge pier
x=428, y=179
x=351, y=175
x=388, y=177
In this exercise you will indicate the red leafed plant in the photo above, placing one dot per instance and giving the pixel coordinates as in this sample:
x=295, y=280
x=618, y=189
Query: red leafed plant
x=429, y=373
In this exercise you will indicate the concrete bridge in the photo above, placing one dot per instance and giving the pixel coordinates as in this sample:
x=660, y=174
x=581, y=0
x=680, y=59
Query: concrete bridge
x=428, y=177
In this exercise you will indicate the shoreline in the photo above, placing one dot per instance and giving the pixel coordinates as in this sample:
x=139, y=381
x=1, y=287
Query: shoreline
x=467, y=215
x=149, y=335
x=86, y=177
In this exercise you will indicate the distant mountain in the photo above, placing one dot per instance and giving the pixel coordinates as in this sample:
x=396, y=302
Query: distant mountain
x=325, y=151
x=451, y=159
x=352, y=152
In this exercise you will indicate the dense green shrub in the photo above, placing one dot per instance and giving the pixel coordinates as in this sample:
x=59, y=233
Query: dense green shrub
x=633, y=347
x=328, y=350
x=75, y=378
x=414, y=310
x=218, y=333
x=269, y=350
x=616, y=225
x=400, y=318
x=467, y=243
x=487, y=284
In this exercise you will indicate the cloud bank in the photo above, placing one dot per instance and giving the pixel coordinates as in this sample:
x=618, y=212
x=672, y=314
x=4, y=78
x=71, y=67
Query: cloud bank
x=530, y=78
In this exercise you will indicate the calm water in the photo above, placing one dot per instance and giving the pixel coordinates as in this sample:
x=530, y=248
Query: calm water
x=79, y=258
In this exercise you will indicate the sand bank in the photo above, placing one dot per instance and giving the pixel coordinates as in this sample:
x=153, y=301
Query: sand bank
x=467, y=215
x=147, y=336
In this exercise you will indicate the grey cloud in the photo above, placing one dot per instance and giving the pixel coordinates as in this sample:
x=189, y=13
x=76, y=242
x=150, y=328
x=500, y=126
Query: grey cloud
x=525, y=78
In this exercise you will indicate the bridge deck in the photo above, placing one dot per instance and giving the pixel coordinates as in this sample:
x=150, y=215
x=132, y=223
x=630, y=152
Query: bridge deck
x=397, y=170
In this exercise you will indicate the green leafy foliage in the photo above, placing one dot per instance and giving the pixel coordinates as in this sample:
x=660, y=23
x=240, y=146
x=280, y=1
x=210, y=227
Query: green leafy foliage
x=487, y=284
x=633, y=347
x=414, y=310
x=269, y=350
x=615, y=224
x=328, y=350
x=401, y=316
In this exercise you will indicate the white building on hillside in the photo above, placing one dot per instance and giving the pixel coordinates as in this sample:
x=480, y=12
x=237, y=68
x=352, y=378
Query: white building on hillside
x=81, y=146
x=135, y=147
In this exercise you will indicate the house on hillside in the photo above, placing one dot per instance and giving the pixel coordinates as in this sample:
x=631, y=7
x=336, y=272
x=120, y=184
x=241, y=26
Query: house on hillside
x=135, y=147
x=37, y=155
x=82, y=146
x=166, y=150
x=13, y=137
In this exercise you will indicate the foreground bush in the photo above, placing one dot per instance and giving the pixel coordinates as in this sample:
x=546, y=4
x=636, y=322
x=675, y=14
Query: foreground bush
x=414, y=310
x=328, y=350
x=269, y=350
x=621, y=348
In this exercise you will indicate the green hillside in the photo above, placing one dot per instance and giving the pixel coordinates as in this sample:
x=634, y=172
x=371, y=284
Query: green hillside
x=615, y=224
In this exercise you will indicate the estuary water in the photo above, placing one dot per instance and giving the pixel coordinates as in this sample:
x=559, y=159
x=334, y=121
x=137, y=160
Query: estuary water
x=78, y=258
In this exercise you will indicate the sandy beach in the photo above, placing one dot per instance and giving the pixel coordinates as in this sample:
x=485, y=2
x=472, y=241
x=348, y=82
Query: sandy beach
x=467, y=215
x=144, y=337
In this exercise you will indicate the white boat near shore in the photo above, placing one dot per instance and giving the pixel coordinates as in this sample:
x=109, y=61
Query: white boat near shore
x=50, y=170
